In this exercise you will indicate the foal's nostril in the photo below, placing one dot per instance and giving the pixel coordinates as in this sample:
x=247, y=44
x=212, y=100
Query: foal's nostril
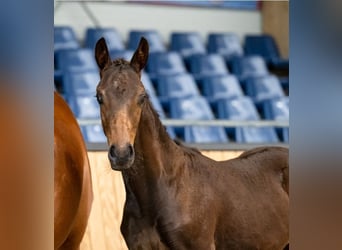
x=130, y=150
x=112, y=151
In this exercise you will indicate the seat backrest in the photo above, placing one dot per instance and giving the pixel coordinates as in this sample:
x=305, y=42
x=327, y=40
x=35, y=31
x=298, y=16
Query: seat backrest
x=256, y=135
x=81, y=83
x=248, y=66
x=276, y=109
x=177, y=86
x=263, y=45
x=165, y=63
x=125, y=54
x=157, y=106
x=112, y=37
x=65, y=38
x=225, y=44
x=145, y=79
x=205, y=134
x=152, y=36
x=240, y=108
x=261, y=88
x=210, y=64
x=84, y=106
x=187, y=43
x=76, y=60
x=93, y=134
x=195, y=107
x=219, y=87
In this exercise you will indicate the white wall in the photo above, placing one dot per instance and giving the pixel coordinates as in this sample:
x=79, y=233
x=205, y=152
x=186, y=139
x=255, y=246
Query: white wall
x=125, y=17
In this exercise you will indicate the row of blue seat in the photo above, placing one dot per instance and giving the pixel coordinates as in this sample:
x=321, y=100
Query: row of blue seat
x=186, y=54
x=84, y=106
x=169, y=63
x=182, y=85
x=192, y=106
x=196, y=108
x=186, y=43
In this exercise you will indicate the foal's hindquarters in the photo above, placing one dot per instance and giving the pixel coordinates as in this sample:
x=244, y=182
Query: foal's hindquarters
x=237, y=204
x=255, y=211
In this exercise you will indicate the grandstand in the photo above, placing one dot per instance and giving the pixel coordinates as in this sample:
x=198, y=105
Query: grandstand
x=184, y=66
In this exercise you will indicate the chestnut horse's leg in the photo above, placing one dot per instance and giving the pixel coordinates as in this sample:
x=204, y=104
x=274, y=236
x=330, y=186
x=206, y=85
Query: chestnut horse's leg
x=287, y=247
x=70, y=244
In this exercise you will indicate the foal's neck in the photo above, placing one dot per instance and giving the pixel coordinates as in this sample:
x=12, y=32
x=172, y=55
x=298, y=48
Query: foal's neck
x=154, y=147
x=153, y=163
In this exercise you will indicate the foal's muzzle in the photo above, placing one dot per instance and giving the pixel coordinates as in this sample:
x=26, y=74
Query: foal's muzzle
x=121, y=157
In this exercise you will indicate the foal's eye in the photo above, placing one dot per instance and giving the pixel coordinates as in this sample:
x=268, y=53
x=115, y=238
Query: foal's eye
x=99, y=98
x=141, y=99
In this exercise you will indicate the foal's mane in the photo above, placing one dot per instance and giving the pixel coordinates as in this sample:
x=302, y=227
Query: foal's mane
x=149, y=109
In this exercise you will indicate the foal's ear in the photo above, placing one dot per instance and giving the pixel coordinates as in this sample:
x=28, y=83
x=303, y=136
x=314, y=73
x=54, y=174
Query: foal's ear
x=101, y=53
x=140, y=56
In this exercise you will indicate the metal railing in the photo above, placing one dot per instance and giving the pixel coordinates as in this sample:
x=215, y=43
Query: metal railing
x=217, y=122
x=204, y=146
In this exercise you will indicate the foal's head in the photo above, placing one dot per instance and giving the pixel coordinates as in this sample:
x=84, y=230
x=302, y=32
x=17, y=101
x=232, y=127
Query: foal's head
x=121, y=95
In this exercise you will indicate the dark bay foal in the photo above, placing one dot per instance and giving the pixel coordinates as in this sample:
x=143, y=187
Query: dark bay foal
x=176, y=198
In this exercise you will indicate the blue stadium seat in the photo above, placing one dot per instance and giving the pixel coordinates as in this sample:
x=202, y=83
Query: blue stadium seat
x=265, y=46
x=81, y=83
x=197, y=108
x=124, y=54
x=176, y=86
x=256, y=135
x=84, y=106
x=221, y=87
x=240, y=108
x=187, y=43
x=262, y=88
x=205, y=134
x=165, y=63
x=76, y=60
x=207, y=65
x=64, y=38
x=278, y=109
x=243, y=109
x=112, y=37
x=145, y=79
x=93, y=134
x=226, y=44
x=152, y=36
x=248, y=66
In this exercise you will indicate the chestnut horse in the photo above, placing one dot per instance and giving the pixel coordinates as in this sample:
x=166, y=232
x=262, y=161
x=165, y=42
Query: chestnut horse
x=176, y=198
x=73, y=187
